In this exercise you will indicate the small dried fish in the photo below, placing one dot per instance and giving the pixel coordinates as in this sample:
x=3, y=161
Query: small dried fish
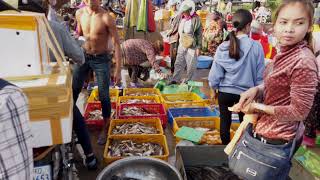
x=95, y=115
x=134, y=128
x=179, y=101
x=134, y=111
x=131, y=148
x=141, y=94
x=211, y=138
x=138, y=101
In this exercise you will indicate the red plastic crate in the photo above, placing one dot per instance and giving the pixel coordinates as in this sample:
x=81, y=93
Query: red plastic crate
x=156, y=108
x=91, y=106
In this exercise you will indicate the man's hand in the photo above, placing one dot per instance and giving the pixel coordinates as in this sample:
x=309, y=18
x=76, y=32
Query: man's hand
x=117, y=77
x=163, y=75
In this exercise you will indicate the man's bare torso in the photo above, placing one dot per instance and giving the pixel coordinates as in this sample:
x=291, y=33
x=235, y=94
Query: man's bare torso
x=95, y=30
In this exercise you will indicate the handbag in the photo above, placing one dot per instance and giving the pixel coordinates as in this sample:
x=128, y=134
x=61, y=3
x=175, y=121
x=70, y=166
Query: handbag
x=252, y=159
x=187, y=40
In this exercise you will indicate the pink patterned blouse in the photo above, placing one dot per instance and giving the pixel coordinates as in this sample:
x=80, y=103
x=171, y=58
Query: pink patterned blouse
x=137, y=51
x=290, y=82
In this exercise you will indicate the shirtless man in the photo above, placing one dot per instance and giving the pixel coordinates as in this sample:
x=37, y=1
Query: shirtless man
x=97, y=27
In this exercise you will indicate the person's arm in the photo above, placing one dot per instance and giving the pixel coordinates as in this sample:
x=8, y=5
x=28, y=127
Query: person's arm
x=111, y=25
x=15, y=132
x=151, y=56
x=78, y=16
x=71, y=48
x=216, y=74
x=260, y=66
x=198, y=37
x=303, y=88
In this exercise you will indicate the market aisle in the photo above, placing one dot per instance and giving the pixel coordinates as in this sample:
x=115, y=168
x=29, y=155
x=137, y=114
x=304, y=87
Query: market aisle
x=84, y=174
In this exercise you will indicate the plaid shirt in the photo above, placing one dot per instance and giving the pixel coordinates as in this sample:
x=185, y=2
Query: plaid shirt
x=16, y=159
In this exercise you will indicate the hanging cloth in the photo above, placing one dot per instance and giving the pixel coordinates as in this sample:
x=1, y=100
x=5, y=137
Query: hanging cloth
x=142, y=18
x=131, y=12
x=151, y=22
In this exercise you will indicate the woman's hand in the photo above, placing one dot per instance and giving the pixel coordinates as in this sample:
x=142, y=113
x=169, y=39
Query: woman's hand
x=246, y=99
x=213, y=94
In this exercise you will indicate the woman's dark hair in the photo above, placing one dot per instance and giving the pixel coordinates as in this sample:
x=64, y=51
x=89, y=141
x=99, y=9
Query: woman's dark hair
x=240, y=20
x=255, y=5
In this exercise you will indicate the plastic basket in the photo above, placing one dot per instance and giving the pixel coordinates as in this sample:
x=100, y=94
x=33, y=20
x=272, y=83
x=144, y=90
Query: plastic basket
x=154, y=122
x=204, y=62
x=159, y=139
x=191, y=100
x=158, y=109
x=91, y=106
x=124, y=99
x=190, y=112
x=94, y=96
x=146, y=91
x=193, y=122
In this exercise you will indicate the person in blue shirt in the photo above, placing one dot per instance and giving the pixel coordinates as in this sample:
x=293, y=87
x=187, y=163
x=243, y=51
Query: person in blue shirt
x=238, y=65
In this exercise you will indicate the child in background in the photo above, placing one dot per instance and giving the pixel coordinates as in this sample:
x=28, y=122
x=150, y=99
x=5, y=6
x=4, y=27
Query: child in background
x=238, y=65
x=290, y=82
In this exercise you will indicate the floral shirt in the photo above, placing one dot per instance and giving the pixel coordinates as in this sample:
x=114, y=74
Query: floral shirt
x=137, y=51
x=290, y=82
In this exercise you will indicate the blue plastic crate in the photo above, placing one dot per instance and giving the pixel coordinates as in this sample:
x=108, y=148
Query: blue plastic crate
x=192, y=112
x=204, y=62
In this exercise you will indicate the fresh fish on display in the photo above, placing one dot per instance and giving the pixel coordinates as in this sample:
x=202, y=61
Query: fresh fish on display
x=211, y=138
x=138, y=101
x=130, y=148
x=179, y=101
x=141, y=94
x=95, y=115
x=134, y=128
x=209, y=173
x=134, y=111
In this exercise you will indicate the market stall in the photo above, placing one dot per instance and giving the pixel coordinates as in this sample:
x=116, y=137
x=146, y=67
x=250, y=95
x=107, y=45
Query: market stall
x=175, y=127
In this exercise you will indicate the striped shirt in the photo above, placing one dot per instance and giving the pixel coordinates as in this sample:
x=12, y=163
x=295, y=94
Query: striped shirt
x=16, y=159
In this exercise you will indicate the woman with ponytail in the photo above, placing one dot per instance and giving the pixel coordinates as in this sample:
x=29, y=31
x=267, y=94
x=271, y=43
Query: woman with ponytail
x=238, y=65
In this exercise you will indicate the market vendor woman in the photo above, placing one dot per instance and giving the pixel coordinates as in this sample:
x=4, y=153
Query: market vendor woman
x=190, y=37
x=139, y=56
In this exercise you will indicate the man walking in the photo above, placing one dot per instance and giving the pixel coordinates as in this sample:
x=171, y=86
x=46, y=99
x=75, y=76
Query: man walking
x=97, y=27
